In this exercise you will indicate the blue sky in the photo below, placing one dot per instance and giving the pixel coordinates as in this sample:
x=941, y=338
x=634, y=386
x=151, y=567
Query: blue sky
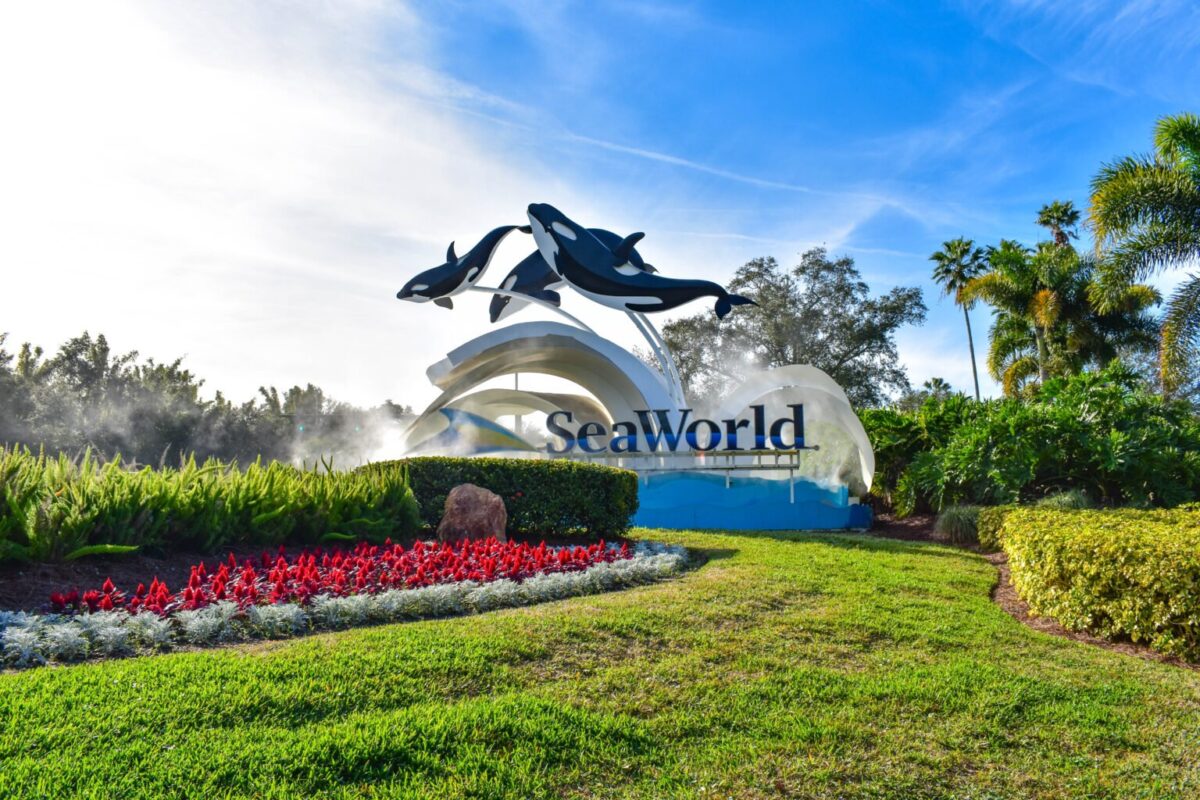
x=248, y=184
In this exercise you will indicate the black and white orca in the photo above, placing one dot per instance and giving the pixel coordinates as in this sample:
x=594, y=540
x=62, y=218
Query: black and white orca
x=633, y=259
x=457, y=275
x=584, y=262
x=533, y=277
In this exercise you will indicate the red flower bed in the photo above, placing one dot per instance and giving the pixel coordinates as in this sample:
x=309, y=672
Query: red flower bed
x=365, y=569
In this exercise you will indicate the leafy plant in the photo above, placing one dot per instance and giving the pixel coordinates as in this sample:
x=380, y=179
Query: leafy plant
x=1071, y=499
x=958, y=524
x=55, y=507
x=1101, y=434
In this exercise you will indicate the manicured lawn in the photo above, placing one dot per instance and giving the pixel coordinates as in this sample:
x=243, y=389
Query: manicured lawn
x=790, y=665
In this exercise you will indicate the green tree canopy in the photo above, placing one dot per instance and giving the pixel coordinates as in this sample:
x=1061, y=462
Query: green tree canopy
x=1046, y=323
x=820, y=312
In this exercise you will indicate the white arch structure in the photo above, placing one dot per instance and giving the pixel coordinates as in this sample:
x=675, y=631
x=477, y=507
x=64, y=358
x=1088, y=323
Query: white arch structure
x=620, y=382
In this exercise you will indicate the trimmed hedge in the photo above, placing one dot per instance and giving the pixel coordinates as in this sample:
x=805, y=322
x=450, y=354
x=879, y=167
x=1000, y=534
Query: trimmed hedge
x=542, y=496
x=1119, y=573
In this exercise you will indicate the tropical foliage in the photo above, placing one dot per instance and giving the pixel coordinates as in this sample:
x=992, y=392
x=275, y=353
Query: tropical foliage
x=1145, y=212
x=1046, y=323
x=54, y=507
x=1102, y=433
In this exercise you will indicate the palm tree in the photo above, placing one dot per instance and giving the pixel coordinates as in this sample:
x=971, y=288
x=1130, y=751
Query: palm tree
x=1060, y=218
x=1145, y=211
x=1046, y=323
x=937, y=388
x=1012, y=286
x=955, y=265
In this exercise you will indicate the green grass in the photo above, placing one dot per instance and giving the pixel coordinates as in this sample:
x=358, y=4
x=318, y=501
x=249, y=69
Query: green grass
x=787, y=666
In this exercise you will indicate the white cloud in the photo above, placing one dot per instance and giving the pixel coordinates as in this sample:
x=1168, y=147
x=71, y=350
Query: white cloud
x=249, y=184
x=1125, y=46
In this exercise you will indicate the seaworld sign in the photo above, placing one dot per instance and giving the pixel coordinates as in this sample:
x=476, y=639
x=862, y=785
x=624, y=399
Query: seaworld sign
x=750, y=462
x=702, y=435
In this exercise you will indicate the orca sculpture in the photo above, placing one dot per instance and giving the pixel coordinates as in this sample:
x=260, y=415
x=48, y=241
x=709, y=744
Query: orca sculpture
x=633, y=262
x=533, y=277
x=591, y=268
x=457, y=275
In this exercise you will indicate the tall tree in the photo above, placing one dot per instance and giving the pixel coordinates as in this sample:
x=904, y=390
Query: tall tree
x=820, y=312
x=1046, y=323
x=955, y=265
x=1145, y=211
x=1060, y=218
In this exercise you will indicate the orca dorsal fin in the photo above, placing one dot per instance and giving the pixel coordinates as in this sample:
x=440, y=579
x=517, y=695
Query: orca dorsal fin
x=622, y=251
x=444, y=302
x=450, y=257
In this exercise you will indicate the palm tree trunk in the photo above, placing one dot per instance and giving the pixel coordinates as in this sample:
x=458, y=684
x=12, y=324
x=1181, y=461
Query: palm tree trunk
x=1043, y=353
x=971, y=347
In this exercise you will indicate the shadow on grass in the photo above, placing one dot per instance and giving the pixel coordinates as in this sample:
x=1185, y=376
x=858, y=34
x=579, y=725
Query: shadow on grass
x=702, y=555
x=854, y=540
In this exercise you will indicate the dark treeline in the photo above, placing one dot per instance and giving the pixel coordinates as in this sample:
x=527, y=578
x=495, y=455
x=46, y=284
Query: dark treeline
x=86, y=396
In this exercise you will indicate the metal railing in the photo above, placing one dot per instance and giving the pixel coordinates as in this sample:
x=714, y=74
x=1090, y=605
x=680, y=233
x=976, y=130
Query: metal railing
x=727, y=462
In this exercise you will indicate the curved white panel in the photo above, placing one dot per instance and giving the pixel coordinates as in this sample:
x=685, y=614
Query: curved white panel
x=619, y=381
x=845, y=455
x=495, y=403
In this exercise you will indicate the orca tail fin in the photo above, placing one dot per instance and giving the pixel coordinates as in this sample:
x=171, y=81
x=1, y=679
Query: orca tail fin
x=726, y=302
x=525, y=228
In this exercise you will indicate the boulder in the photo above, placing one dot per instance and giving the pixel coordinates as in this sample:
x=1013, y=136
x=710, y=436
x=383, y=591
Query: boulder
x=472, y=512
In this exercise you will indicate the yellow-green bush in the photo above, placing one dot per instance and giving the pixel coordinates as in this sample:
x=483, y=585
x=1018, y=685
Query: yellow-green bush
x=1120, y=573
x=987, y=527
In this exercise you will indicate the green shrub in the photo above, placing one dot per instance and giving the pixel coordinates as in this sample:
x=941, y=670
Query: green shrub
x=542, y=496
x=1072, y=499
x=53, y=507
x=1100, y=433
x=958, y=524
x=988, y=526
x=1119, y=573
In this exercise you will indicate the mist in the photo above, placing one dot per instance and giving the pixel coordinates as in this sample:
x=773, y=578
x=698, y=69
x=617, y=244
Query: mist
x=86, y=396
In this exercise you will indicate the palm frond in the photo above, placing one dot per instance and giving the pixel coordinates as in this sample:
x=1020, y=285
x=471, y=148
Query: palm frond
x=1138, y=192
x=1180, y=332
x=1018, y=374
x=1177, y=139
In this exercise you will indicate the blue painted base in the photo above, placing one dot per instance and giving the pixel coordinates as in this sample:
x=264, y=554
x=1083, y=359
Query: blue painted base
x=701, y=501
